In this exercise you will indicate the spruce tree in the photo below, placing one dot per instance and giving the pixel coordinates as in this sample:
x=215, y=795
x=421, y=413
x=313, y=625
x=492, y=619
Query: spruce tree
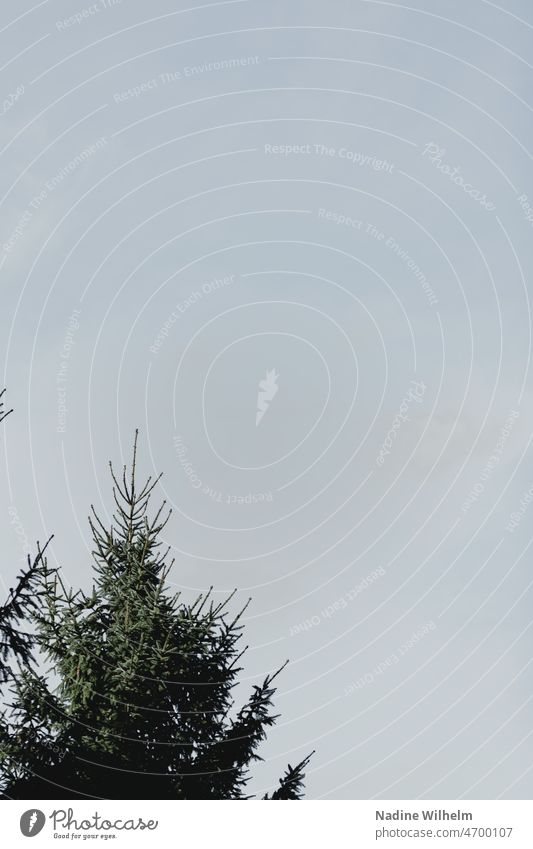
x=15, y=642
x=142, y=704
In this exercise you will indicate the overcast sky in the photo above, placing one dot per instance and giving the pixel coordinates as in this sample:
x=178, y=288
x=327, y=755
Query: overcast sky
x=291, y=242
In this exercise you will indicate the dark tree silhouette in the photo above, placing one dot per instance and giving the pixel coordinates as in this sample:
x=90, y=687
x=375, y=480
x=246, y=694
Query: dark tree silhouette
x=15, y=642
x=143, y=707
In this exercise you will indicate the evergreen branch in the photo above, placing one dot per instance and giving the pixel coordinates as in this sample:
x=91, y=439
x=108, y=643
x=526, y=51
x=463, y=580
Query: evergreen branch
x=3, y=414
x=291, y=785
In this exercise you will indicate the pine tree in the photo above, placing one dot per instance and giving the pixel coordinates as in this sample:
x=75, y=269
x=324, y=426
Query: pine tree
x=144, y=706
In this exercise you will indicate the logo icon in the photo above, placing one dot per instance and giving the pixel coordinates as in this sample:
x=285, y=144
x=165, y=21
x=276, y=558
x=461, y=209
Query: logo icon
x=32, y=822
x=268, y=388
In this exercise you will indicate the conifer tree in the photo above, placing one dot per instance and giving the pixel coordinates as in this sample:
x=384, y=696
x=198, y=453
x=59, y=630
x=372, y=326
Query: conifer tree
x=14, y=641
x=143, y=707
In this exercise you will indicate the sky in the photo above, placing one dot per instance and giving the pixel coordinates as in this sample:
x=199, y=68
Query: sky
x=291, y=243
